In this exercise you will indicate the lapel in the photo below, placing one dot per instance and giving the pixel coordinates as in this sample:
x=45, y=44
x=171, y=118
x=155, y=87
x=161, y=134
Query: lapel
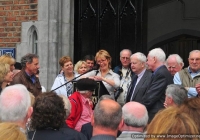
x=140, y=83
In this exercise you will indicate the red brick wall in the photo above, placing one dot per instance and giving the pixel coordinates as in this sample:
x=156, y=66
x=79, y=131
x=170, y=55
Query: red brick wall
x=12, y=14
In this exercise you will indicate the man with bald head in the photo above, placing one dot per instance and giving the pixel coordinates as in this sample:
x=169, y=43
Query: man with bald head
x=135, y=118
x=106, y=120
x=174, y=63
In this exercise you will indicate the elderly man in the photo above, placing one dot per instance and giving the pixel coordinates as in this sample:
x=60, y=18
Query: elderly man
x=175, y=95
x=135, y=117
x=141, y=79
x=15, y=105
x=81, y=104
x=125, y=73
x=189, y=77
x=106, y=121
x=27, y=76
x=174, y=63
x=154, y=97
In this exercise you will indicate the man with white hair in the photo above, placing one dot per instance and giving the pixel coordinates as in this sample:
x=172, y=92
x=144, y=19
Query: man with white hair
x=174, y=63
x=125, y=74
x=189, y=77
x=135, y=118
x=15, y=105
x=175, y=95
x=140, y=80
x=154, y=97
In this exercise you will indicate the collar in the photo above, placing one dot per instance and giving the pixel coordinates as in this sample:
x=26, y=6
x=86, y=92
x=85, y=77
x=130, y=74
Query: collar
x=141, y=73
x=157, y=69
x=189, y=70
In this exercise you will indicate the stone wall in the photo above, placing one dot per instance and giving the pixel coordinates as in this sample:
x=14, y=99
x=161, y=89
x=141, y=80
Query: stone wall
x=12, y=14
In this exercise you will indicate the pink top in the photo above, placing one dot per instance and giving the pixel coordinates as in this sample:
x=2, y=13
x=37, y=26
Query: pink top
x=86, y=114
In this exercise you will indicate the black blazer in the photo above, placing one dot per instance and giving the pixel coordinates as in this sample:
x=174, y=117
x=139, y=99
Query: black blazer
x=64, y=133
x=140, y=88
x=154, y=97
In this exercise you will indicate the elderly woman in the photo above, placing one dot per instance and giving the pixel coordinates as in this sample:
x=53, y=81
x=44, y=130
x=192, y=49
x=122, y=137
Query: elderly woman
x=105, y=74
x=80, y=67
x=66, y=75
x=48, y=119
x=6, y=76
x=7, y=59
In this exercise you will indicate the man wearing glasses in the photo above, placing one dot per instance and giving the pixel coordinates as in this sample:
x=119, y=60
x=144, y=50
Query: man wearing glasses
x=124, y=72
x=190, y=76
x=174, y=63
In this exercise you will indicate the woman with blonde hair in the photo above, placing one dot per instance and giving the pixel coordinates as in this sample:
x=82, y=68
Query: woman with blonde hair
x=105, y=74
x=11, y=131
x=65, y=76
x=7, y=59
x=80, y=67
x=172, y=124
x=6, y=76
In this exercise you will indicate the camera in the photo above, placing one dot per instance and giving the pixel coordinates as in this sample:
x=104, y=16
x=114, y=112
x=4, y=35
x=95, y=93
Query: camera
x=117, y=92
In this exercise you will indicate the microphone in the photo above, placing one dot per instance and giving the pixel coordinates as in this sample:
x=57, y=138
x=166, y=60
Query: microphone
x=96, y=67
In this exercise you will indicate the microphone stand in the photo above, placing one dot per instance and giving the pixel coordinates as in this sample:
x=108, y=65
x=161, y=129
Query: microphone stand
x=95, y=68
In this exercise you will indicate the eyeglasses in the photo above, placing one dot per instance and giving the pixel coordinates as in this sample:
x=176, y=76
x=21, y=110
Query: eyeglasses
x=101, y=61
x=125, y=58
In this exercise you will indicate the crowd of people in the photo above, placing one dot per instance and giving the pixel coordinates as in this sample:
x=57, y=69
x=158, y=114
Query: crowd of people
x=158, y=98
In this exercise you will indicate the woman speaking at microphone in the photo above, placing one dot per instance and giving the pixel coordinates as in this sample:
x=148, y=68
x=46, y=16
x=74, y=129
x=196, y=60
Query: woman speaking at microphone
x=105, y=74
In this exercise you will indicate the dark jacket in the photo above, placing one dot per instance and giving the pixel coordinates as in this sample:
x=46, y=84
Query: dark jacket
x=140, y=88
x=64, y=133
x=24, y=79
x=118, y=70
x=155, y=95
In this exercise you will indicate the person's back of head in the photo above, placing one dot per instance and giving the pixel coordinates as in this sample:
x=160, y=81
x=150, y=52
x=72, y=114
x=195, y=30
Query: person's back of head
x=191, y=106
x=107, y=116
x=15, y=104
x=48, y=111
x=172, y=122
x=11, y=131
x=135, y=115
x=177, y=94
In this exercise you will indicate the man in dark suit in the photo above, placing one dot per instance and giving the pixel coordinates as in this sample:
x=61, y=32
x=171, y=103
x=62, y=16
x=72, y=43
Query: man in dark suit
x=140, y=80
x=155, y=95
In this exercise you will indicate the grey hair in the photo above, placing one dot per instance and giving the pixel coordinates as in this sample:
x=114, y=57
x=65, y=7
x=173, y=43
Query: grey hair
x=177, y=92
x=28, y=58
x=179, y=60
x=67, y=104
x=14, y=103
x=158, y=53
x=105, y=97
x=194, y=51
x=140, y=56
x=132, y=120
x=110, y=119
x=126, y=50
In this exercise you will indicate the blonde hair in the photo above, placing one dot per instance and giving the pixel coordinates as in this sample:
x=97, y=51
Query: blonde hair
x=104, y=53
x=7, y=59
x=32, y=98
x=172, y=121
x=78, y=65
x=4, y=69
x=11, y=131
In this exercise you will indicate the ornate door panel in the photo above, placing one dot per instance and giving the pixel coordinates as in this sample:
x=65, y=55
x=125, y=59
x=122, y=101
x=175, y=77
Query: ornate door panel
x=107, y=24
